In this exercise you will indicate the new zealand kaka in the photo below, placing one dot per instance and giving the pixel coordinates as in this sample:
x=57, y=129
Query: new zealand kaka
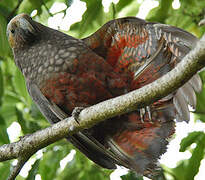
x=63, y=72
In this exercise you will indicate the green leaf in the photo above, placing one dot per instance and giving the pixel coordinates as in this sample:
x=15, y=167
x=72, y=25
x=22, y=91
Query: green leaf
x=34, y=170
x=91, y=20
x=160, y=13
x=20, y=87
x=8, y=69
x=9, y=4
x=69, y=3
x=194, y=162
x=127, y=8
x=4, y=50
x=19, y=178
x=200, y=110
x=27, y=126
x=94, y=17
x=26, y=7
x=177, y=172
x=187, y=169
x=1, y=86
x=4, y=170
x=131, y=176
x=35, y=112
x=81, y=168
x=122, y=4
x=190, y=139
x=187, y=16
x=11, y=99
x=2, y=122
x=199, y=116
x=4, y=139
x=37, y=5
x=51, y=162
x=8, y=113
x=22, y=121
x=4, y=10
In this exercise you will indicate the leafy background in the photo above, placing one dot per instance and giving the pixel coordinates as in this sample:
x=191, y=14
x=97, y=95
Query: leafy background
x=16, y=105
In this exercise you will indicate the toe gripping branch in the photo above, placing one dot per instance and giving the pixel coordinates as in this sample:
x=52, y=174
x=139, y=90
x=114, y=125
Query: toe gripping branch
x=143, y=112
x=76, y=112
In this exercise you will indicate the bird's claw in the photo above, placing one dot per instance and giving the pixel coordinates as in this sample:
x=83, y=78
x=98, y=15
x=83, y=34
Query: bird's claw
x=76, y=112
x=149, y=113
x=143, y=112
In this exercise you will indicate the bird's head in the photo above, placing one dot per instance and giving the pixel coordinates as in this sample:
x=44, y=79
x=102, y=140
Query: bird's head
x=21, y=30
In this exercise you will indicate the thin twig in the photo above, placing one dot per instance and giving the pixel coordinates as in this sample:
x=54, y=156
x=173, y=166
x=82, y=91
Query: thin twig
x=14, y=10
x=17, y=168
x=47, y=9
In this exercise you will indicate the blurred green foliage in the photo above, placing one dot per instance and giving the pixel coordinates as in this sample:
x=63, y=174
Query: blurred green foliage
x=17, y=106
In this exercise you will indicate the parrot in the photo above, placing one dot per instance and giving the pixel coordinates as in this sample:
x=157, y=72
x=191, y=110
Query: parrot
x=63, y=73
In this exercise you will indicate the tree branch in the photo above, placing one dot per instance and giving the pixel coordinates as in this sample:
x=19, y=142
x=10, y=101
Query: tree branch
x=29, y=144
x=14, y=10
x=16, y=169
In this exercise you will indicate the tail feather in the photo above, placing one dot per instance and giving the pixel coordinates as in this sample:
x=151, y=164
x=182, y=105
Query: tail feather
x=96, y=152
x=140, y=147
x=196, y=83
x=189, y=95
x=181, y=107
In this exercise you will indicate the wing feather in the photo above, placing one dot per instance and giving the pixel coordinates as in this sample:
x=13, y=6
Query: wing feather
x=83, y=141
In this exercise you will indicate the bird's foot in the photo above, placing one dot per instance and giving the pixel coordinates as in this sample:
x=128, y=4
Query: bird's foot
x=143, y=112
x=76, y=112
x=149, y=113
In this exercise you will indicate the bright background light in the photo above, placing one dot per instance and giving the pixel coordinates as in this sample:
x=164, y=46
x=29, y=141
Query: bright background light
x=145, y=7
x=74, y=14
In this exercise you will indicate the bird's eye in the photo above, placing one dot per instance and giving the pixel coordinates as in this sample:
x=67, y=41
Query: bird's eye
x=12, y=31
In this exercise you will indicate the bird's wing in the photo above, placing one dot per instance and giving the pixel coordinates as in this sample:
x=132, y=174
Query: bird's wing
x=148, y=50
x=82, y=140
